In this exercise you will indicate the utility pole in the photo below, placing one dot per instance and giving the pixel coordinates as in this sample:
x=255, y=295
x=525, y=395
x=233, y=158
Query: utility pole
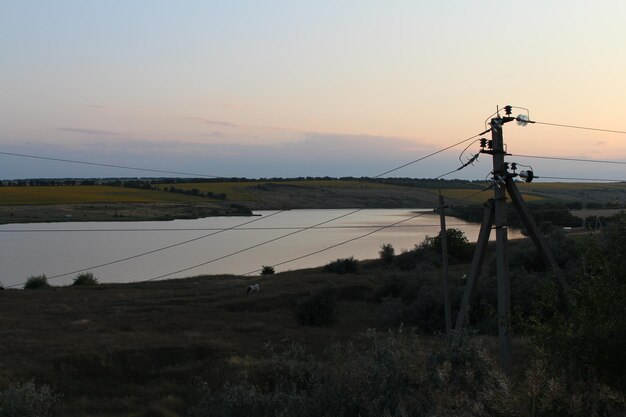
x=443, y=238
x=502, y=260
x=495, y=216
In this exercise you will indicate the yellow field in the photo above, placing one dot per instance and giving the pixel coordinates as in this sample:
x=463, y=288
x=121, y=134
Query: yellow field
x=571, y=186
x=237, y=191
x=86, y=194
x=463, y=193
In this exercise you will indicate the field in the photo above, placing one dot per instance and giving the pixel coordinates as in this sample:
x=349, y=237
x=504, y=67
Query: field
x=108, y=203
x=156, y=349
x=81, y=194
x=124, y=350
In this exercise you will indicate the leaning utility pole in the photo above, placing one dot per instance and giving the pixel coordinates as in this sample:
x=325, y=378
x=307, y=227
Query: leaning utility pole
x=495, y=214
x=443, y=239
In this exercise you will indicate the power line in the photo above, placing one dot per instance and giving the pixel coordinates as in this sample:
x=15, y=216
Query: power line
x=340, y=243
x=580, y=127
x=244, y=229
x=579, y=179
x=319, y=224
x=73, y=161
x=559, y=158
x=355, y=238
x=252, y=221
x=147, y=253
x=252, y=247
x=234, y=227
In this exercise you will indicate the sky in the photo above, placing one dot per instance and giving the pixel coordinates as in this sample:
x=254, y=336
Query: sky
x=307, y=88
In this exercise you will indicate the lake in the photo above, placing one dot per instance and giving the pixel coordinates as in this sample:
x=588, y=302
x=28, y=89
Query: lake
x=55, y=249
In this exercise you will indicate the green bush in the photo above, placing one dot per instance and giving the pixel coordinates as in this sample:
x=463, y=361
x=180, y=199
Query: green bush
x=459, y=248
x=86, y=278
x=317, y=309
x=26, y=400
x=342, y=266
x=588, y=341
x=392, y=286
x=396, y=375
x=267, y=270
x=387, y=253
x=35, y=282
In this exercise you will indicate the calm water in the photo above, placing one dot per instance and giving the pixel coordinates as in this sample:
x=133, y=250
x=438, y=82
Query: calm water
x=85, y=245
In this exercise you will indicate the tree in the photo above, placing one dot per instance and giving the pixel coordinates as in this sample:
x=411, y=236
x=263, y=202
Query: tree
x=387, y=253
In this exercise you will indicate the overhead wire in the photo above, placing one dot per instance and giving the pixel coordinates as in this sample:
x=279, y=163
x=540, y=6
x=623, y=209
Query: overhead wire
x=560, y=158
x=579, y=179
x=234, y=227
x=279, y=238
x=580, y=127
x=243, y=229
x=74, y=161
x=353, y=239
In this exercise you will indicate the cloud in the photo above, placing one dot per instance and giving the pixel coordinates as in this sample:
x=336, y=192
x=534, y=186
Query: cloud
x=313, y=154
x=212, y=122
x=97, y=106
x=97, y=132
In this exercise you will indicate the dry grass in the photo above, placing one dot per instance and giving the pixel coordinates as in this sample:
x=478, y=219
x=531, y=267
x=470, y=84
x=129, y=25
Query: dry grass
x=240, y=191
x=112, y=349
x=86, y=194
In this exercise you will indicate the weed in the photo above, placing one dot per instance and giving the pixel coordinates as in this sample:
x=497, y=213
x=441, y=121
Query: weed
x=342, y=266
x=26, y=400
x=317, y=309
x=86, y=278
x=36, y=281
x=267, y=270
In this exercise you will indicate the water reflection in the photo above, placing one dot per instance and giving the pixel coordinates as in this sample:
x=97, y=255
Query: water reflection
x=58, y=248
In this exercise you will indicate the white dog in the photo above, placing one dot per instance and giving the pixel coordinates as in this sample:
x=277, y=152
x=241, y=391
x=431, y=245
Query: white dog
x=253, y=288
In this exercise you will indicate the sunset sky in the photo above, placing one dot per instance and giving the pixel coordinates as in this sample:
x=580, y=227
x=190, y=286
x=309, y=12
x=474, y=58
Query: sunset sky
x=306, y=88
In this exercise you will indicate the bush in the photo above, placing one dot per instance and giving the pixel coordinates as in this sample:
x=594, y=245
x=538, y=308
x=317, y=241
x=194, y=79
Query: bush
x=393, y=286
x=342, y=266
x=387, y=253
x=317, y=309
x=86, y=278
x=36, y=281
x=396, y=375
x=267, y=270
x=459, y=248
x=390, y=314
x=26, y=400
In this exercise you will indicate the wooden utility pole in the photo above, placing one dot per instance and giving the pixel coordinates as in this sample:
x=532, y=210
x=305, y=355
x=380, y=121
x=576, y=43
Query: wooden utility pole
x=502, y=259
x=495, y=215
x=443, y=238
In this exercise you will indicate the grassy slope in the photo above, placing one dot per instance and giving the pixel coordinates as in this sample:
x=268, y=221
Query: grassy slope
x=272, y=194
x=86, y=194
x=117, y=349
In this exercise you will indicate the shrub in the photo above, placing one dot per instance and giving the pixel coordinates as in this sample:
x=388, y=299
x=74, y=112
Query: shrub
x=26, y=400
x=317, y=309
x=459, y=248
x=392, y=286
x=387, y=253
x=342, y=266
x=86, y=278
x=36, y=281
x=390, y=314
x=267, y=270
